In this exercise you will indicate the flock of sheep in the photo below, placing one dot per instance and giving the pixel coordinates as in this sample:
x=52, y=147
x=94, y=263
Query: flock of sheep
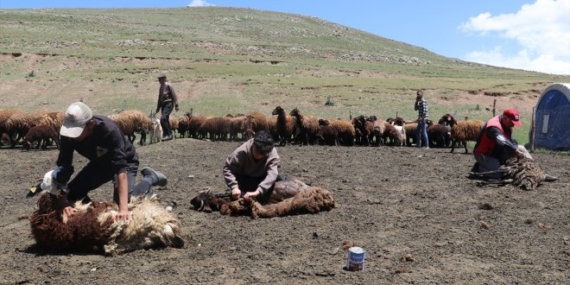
x=39, y=129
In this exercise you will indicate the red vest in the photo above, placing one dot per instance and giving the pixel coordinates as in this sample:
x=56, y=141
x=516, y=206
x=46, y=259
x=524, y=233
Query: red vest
x=486, y=145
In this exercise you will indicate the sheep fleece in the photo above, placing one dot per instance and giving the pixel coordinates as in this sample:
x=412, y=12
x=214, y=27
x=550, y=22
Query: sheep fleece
x=92, y=227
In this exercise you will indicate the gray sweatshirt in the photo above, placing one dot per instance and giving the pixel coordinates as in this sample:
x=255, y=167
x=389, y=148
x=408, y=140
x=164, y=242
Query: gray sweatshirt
x=241, y=162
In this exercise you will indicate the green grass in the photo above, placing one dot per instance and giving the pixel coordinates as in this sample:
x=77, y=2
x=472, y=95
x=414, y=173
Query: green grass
x=229, y=60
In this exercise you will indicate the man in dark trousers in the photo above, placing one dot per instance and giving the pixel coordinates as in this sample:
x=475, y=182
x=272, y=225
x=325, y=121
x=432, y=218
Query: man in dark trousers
x=251, y=170
x=167, y=101
x=111, y=157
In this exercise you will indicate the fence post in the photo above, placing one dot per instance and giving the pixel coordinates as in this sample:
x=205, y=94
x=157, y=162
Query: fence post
x=494, y=104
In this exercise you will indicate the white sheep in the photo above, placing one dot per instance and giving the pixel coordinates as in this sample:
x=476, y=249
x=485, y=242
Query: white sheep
x=156, y=132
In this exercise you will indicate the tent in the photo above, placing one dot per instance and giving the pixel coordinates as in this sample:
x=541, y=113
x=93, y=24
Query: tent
x=552, y=118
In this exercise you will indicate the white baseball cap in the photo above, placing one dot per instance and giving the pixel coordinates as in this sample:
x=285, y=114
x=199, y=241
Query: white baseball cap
x=76, y=117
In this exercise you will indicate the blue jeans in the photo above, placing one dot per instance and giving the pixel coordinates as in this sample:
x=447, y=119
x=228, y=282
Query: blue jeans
x=421, y=134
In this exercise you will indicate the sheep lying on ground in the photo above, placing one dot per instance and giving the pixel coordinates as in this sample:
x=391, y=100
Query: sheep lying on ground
x=290, y=196
x=43, y=135
x=92, y=227
x=520, y=171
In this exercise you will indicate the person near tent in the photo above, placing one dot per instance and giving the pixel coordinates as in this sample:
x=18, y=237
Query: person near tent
x=495, y=145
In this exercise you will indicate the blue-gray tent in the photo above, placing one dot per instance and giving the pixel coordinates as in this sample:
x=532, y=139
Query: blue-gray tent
x=552, y=118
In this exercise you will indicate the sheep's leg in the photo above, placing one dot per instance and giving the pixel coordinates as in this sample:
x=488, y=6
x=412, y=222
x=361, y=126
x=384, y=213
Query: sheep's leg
x=465, y=145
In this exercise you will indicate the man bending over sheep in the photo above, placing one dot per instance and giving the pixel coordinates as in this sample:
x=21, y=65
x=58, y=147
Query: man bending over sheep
x=495, y=145
x=250, y=171
x=111, y=157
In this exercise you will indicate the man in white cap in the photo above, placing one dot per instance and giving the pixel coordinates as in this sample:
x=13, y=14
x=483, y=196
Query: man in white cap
x=111, y=157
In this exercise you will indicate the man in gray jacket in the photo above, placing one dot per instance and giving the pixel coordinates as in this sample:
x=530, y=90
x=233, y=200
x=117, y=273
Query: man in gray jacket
x=250, y=171
x=167, y=101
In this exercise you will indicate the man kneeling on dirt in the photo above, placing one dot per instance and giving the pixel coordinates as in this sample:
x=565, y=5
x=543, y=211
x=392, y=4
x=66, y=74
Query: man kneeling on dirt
x=111, y=157
x=495, y=145
x=251, y=170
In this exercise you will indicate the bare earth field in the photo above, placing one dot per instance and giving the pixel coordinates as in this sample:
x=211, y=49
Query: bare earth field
x=393, y=202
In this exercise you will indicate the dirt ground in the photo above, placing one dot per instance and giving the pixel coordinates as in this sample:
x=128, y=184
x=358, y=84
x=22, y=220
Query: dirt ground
x=414, y=212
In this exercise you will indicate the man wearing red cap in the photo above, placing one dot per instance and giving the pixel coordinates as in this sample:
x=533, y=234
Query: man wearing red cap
x=495, y=144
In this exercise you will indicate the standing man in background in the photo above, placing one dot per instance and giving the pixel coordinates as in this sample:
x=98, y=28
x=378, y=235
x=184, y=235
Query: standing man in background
x=421, y=106
x=167, y=100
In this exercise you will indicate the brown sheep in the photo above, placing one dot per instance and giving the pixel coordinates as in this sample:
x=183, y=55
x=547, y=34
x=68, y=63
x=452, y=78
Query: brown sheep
x=259, y=122
x=365, y=127
x=218, y=128
x=18, y=125
x=345, y=129
x=237, y=126
x=92, y=227
x=183, y=125
x=290, y=196
x=131, y=122
x=272, y=127
x=307, y=127
x=439, y=135
x=462, y=131
x=194, y=123
x=285, y=125
x=43, y=135
x=327, y=135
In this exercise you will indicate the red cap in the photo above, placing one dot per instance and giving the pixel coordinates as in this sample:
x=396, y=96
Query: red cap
x=513, y=115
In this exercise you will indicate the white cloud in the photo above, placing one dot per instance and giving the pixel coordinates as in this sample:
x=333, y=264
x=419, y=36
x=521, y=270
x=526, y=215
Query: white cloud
x=541, y=30
x=199, y=3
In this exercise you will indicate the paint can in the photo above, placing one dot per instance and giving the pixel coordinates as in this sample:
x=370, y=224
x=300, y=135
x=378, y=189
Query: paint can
x=355, y=260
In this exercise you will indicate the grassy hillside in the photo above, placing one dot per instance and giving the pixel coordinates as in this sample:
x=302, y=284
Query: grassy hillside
x=228, y=60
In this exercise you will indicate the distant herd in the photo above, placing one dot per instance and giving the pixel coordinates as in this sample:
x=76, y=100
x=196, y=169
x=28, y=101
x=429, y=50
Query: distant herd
x=39, y=129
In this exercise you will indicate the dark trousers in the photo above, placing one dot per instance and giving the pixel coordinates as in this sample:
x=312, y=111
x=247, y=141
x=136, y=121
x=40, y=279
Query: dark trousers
x=249, y=184
x=92, y=176
x=165, y=111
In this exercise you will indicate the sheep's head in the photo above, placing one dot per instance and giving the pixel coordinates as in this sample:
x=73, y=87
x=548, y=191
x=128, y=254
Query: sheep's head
x=278, y=110
x=27, y=144
x=295, y=112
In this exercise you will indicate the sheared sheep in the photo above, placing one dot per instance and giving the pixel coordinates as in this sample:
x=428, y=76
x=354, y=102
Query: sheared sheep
x=43, y=135
x=92, y=227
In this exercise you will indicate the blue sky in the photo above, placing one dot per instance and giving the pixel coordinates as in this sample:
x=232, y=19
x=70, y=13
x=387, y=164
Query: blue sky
x=523, y=34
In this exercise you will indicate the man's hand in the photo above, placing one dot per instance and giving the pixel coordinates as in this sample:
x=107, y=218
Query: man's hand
x=68, y=211
x=124, y=215
x=252, y=195
x=236, y=193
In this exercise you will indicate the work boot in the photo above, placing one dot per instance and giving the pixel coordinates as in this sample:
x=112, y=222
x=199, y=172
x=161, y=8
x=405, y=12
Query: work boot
x=550, y=178
x=157, y=177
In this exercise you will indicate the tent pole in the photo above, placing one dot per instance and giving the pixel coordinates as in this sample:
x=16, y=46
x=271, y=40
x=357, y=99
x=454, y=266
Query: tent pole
x=533, y=129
